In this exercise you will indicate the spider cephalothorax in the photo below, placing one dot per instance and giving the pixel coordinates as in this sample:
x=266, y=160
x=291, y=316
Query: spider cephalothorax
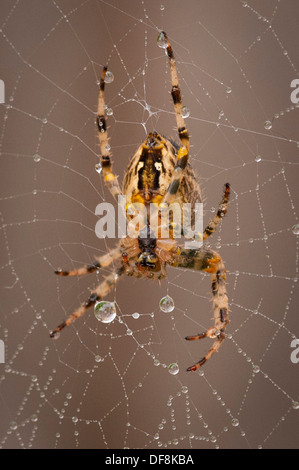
x=147, y=243
x=159, y=175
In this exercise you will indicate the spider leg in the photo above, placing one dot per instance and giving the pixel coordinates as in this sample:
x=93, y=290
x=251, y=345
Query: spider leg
x=110, y=179
x=222, y=209
x=211, y=262
x=101, y=262
x=183, y=153
x=100, y=292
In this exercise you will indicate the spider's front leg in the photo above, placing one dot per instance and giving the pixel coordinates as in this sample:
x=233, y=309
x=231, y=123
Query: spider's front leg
x=103, y=261
x=183, y=152
x=211, y=262
x=110, y=179
x=100, y=292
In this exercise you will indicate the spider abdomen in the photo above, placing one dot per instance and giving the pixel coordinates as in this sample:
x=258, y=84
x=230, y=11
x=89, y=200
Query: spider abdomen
x=150, y=171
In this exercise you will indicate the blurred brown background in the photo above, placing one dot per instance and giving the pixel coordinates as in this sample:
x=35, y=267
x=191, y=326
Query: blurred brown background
x=236, y=61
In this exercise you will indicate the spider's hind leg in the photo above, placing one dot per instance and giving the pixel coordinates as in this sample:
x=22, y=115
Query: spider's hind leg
x=212, y=263
x=222, y=209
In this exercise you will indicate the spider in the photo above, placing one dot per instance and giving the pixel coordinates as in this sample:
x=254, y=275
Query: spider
x=159, y=172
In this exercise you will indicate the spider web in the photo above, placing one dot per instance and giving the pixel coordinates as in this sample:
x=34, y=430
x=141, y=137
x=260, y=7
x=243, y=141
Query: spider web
x=109, y=386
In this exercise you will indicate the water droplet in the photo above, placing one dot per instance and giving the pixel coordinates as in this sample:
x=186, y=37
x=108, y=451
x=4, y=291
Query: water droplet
x=185, y=112
x=161, y=41
x=105, y=312
x=295, y=405
x=228, y=90
x=136, y=315
x=235, y=422
x=256, y=369
x=258, y=158
x=34, y=418
x=109, y=112
x=295, y=229
x=36, y=158
x=98, y=358
x=108, y=148
x=268, y=125
x=129, y=332
x=13, y=425
x=162, y=7
x=184, y=389
x=167, y=304
x=56, y=335
x=75, y=419
x=109, y=77
x=45, y=121
x=98, y=168
x=221, y=114
x=173, y=368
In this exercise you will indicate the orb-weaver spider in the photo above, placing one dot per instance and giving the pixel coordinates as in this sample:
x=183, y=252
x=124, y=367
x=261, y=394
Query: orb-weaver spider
x=159, y=173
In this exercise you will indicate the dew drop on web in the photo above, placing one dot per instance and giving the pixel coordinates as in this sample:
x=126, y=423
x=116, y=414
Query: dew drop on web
x=295, y=229
x=167, y=304
x=268, y=125
x=105, y=312
x=173, y=368
x=161, y=41
x=185, y=112
x=98, y=168
x=109, y=77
